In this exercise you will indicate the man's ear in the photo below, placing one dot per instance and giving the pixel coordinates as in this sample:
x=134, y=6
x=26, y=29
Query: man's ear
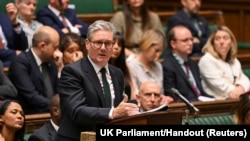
x=172, y=44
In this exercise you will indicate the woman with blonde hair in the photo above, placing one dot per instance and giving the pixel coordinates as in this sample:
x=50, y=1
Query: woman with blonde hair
x=145, y=66
x=221, y=72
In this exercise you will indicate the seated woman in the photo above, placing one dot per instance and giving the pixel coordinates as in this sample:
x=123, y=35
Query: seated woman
x=12, y=121
x=134, y=19
x=118, y=59
x=71, y=48
x=145, y=65
x=242, y=113
x=221, y=73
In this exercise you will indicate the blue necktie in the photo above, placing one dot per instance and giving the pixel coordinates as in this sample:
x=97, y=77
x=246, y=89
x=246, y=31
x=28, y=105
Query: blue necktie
x=106, y=88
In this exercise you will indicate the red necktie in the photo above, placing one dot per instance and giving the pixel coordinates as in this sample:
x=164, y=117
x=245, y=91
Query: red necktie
x=1, y=43
x=190, y=80
x=64, y=20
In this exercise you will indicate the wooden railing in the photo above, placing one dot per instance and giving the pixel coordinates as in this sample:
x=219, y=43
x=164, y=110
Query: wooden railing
x=206, y=108
x=213, y=17
x=210, y=107
x=35, y=121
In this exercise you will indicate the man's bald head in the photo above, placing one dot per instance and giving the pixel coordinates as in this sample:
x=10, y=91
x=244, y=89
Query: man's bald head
x=44, y=34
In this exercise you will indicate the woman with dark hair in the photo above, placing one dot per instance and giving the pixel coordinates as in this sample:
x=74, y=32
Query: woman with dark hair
x=242, y=113
x=71, y=48
x=132, y=21
x=12, y=121
x=118, y=59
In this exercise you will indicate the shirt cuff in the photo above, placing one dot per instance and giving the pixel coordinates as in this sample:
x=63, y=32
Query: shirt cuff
x=111, y=113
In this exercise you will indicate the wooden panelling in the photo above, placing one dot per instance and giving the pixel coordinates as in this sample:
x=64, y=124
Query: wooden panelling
x=213, y=16
x=236, y=13
x=35, y=121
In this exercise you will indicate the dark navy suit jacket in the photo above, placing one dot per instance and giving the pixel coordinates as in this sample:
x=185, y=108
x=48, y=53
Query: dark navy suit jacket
x=47, y=17
x=183, y=18
x=16, y=41
x=27, y=78
x=45, y=133
x=82, y=100
x=175, y=77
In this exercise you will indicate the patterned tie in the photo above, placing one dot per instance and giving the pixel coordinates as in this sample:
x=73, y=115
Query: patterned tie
x=106, y=88
x=195, y=89
x=46, y=78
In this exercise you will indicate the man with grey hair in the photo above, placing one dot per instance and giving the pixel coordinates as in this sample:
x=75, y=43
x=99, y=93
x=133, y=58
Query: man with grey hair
x=91, y=90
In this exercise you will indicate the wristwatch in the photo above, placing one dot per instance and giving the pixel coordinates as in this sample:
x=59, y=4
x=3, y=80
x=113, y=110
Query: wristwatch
x=16, y=25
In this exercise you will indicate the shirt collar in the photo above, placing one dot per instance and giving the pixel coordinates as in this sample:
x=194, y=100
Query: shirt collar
x=56, y=127
x=37, y=59
x=97, y=68
x=55, y=11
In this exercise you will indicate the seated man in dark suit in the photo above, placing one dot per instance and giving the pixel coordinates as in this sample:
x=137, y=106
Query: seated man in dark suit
x=197, y=24
x=181, y=72
x=12, y=37
x=34, y=73
x=48, y=131
x=63, y=19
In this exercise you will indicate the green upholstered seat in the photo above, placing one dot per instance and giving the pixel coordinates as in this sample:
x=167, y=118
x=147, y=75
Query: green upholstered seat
x=224, y=119
x=243, y=45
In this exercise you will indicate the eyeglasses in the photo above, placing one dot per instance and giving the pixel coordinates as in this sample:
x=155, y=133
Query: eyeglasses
x=185, y=40
x=98, y=44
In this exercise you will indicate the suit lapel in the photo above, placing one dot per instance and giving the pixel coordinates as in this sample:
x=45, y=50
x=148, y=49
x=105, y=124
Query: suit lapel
x=115, y=82
x=59, y=22
x=179, y=69
x=188, y=22
x=31, y=57
x=92, y=76
x=194, y=72
x=51, y=132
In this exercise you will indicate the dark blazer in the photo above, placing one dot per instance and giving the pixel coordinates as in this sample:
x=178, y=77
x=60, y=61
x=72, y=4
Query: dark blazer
x=182, y=18
x=47, y=17
x=175, y=77
x=7, y=89
x=82, y=99
x=16, y=41
x=27, y=78
x=45, y=133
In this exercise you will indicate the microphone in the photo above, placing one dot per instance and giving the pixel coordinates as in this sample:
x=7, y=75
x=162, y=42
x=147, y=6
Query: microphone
x=188, y=103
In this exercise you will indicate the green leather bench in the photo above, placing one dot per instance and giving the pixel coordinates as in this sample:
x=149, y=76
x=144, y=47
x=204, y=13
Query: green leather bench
x=223, y=119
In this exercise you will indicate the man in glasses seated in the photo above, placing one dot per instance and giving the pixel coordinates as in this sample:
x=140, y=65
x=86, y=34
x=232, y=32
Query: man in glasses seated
x=179, y=70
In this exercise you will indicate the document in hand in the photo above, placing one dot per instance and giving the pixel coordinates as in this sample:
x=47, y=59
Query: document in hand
x=163, y=107
x=204, y=98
